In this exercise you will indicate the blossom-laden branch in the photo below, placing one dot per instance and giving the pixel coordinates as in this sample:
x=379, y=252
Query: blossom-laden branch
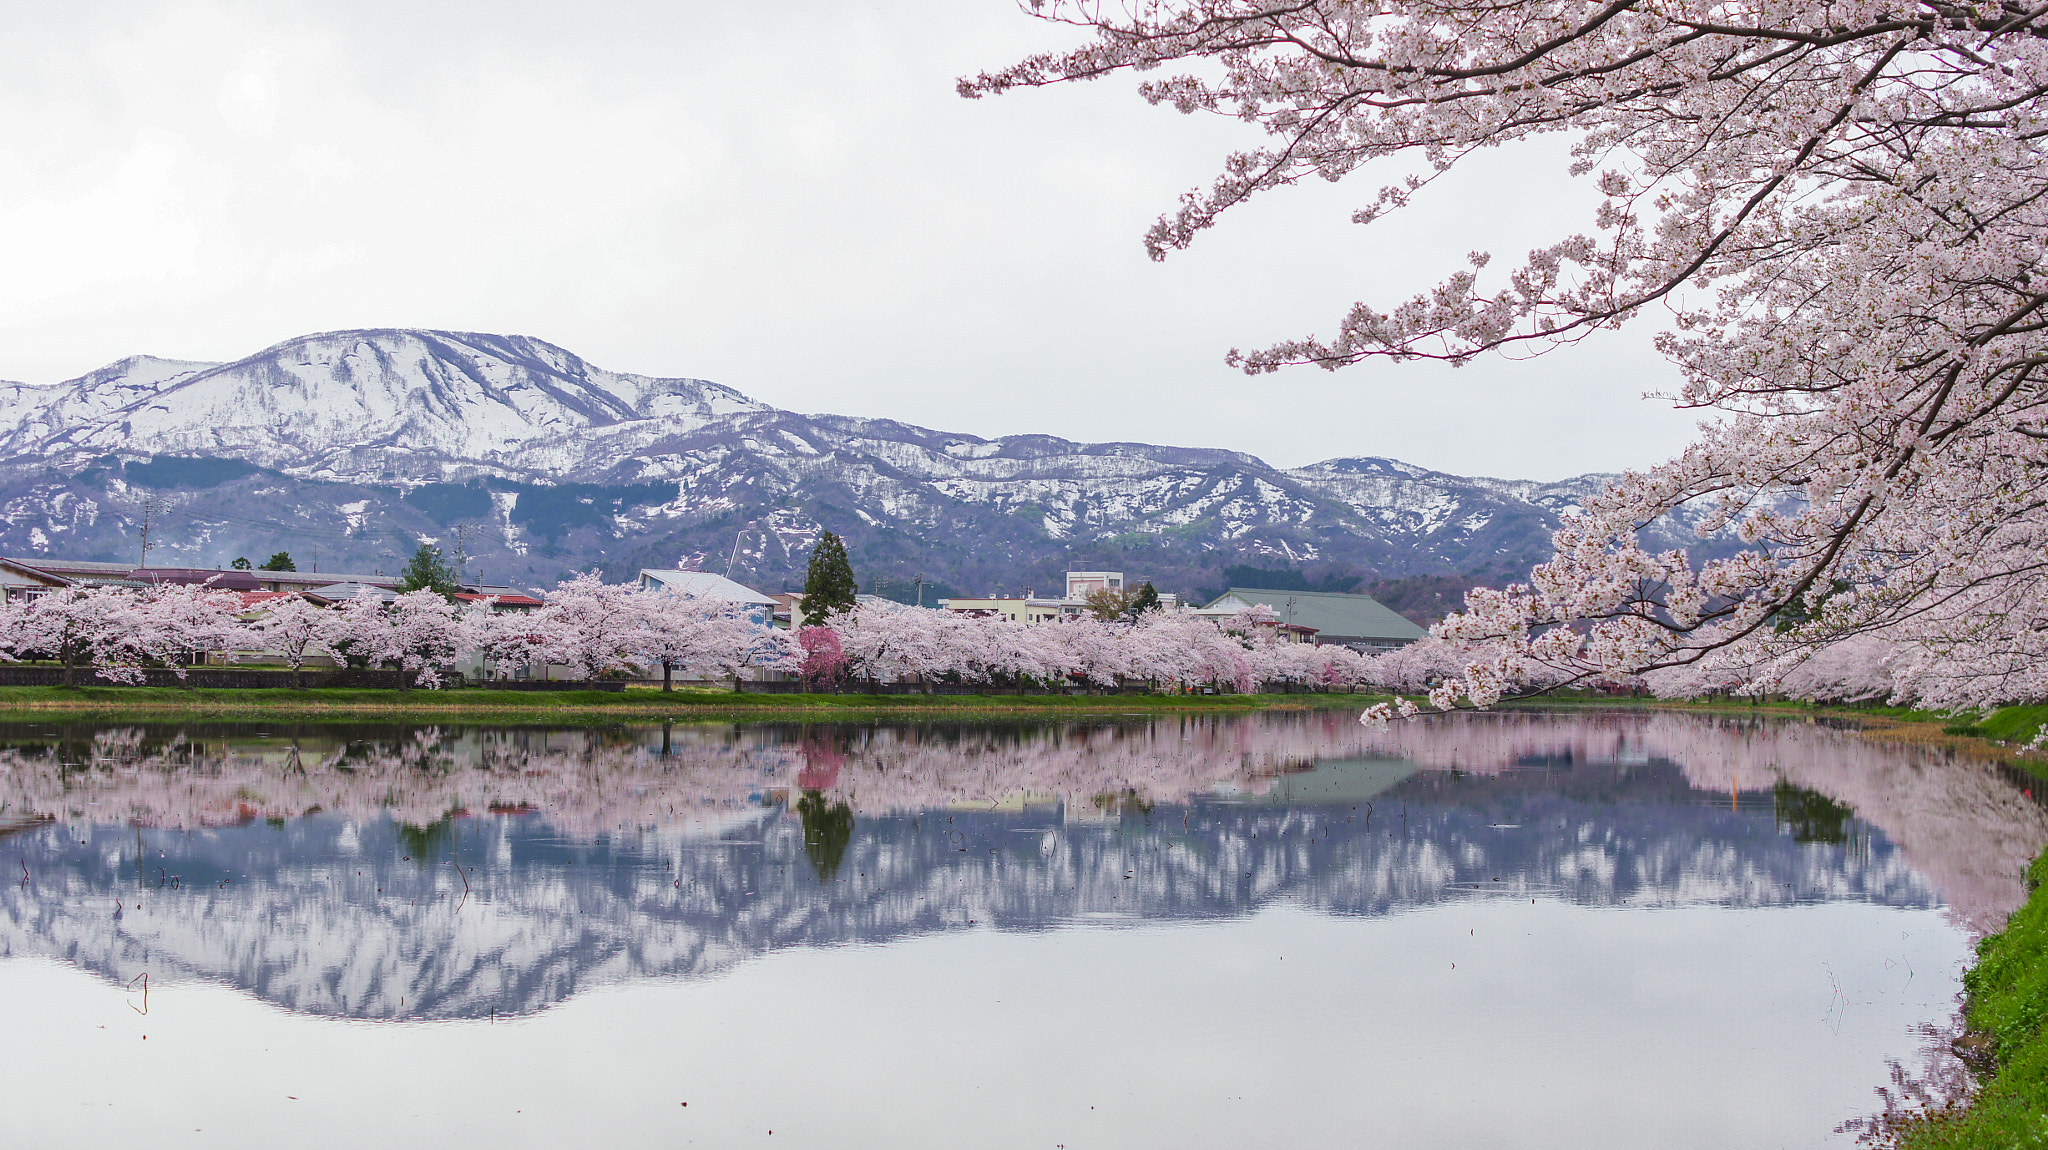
x=1841, y=208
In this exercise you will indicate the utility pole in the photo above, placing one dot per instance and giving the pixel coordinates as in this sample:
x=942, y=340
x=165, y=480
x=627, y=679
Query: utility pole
x=153, y=508
x=462, y=533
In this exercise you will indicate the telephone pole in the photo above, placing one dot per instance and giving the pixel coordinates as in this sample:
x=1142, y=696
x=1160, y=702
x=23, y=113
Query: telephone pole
x=153, y=509
x=462, y=533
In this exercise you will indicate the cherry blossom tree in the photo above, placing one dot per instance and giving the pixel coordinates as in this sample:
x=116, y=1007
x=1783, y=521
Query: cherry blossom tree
x=359, y=631
x=292, y=626
x=79, y=626
x=824, y=660
x=176, y=622
x=885, y=643
x=424, y=633
x=1179, y=648
x=708, y=636
x=593, y=625
x=515, y=637
x=1836, y=215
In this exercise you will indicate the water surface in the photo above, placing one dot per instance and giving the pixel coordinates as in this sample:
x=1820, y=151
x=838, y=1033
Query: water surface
x=1515, y=930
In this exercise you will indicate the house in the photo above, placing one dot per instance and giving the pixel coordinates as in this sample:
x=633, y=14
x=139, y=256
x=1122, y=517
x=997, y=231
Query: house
x=1081, y=584
x=1024, y=610
x=705, y=585
x=504, y=599
x=193, y=576
x=1028, y=609
x=19, y=581
x=94, y=573
x=1360, y=622
x=335, y=593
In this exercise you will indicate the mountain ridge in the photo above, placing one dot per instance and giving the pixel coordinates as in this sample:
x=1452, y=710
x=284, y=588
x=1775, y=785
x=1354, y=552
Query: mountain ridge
x=364, y=442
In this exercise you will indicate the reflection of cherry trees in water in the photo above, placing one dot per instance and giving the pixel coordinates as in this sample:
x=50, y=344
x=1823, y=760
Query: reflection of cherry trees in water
x=1963, y=825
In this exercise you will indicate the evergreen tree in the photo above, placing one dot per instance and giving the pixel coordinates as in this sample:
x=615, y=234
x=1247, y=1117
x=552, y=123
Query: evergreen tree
x=240, y=564
x=282, y=561
x=828, y=585
x=1147, y=599
x=427, y=571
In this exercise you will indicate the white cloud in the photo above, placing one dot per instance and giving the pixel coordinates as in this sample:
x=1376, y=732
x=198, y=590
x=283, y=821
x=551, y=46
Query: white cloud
x=789, y=199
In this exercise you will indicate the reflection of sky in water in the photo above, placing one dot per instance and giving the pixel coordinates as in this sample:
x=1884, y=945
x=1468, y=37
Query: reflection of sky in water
x=1281, y=937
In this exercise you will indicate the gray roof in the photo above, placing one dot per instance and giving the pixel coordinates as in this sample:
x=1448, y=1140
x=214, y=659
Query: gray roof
x=342, y=592
x=705, y=585
x=1336, y=618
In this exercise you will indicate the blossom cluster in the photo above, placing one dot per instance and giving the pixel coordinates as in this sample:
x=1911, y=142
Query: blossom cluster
x=1839, y=210
x=593, y=627
x=881, y=643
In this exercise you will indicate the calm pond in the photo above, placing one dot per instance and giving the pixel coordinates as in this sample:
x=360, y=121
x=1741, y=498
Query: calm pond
x=1517, y=930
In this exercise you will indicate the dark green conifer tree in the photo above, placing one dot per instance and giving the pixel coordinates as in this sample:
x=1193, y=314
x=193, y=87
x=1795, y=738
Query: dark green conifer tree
x=828, y=585
x=282, y=561
x=427, y=571
x=1147, y=599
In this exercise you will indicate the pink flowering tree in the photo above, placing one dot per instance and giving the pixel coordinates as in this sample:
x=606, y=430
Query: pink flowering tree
x=425, y=632
x=359, y=632
x=1835, y=215
x=824, y=660
x=592, y=625
x=78, y=627
x=515, y=638
x=886, y=643
x=292, y=626
x=179, y=623
x=708, y=636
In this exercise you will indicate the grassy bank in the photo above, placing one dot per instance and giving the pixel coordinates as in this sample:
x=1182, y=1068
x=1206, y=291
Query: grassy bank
x=622, y=706
x=2007, y=1014
x=2005, y=992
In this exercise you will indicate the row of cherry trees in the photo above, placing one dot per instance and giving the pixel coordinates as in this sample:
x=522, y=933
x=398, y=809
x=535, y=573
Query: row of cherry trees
x=598, y=629
x=601, y=629
x=594, y=627
x=877, y=643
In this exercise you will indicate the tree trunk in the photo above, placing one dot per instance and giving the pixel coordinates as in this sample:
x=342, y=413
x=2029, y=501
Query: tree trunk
x=668, y=671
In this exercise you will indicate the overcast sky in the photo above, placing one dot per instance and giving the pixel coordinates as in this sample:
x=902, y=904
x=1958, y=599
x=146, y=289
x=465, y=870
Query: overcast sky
x=786, y=197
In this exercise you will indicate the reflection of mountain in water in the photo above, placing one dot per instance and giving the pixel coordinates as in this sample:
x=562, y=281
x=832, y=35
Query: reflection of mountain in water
x=329, y=914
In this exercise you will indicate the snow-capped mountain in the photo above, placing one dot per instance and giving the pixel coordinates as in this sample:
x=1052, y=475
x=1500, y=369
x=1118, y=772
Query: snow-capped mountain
x=358, y=445
x=338, y=405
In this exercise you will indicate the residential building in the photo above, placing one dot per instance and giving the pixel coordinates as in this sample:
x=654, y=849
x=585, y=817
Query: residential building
x=1024, y=610
x=504, y=600
x=19, y=581
x=705, y=585
x=1029, y=609
x=1356, y=621
x=1081, y=584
